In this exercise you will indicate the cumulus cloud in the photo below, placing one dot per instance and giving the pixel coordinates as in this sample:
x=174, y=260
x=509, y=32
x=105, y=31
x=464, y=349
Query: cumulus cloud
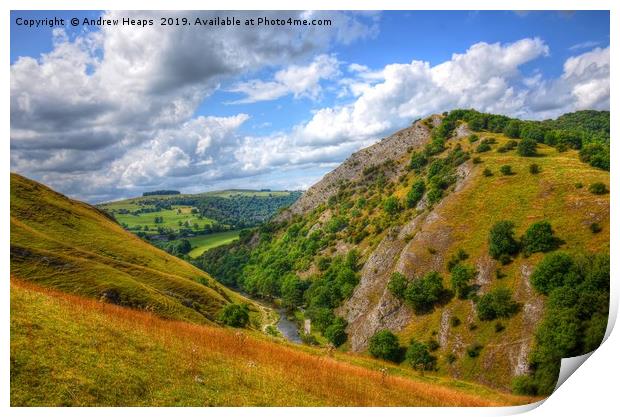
x=111, y=113
x=117, y=91
x=301, y=81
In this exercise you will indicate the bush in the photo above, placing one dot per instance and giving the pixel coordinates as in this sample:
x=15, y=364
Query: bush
x=335, y=332
x=235, y=315
x=391, y=205
x=460, y=279
x=456, y=258
x=527, y=147
x=473, y=351
x=534, y=169
x=552, y=272
x=513, y=129
x=495, y=304
x=384, y=345
x=506, y=170
x=595, y=228
x=499, y=327
x=596, y=154
x=419, y=357
x=455, y=321
x=432, y=344
x=524, y=385
x=476, y=160
x=483, y=147
x=538, y=238
x=415, y=194
x=434, y=195
x=487, y=172
x=423, y=293
x=398, y=284
x=450, y=358
x=473, y=138
x=598, y=188
x=418, y=161
x=501, y=239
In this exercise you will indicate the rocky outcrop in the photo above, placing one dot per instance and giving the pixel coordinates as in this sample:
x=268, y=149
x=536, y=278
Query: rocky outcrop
x=390, y=148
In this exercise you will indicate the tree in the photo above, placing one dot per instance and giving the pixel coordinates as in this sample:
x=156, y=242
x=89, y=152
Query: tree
x=513, y=129
x=419, y=357
x=418, y=160
x=555, y=270
x=415, y=194
x=391, y=205
x=384, y=345
x=538, y=238
x=460, y=279
x=235, y=315
x=527, y=147
x=336, y=333
x=398, y=284
x=292, y=291
x=423, y=293
x=502, y=240
x=497, y=303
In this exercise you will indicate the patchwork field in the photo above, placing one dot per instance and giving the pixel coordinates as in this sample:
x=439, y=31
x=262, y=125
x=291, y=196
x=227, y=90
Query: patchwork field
x=200, y=244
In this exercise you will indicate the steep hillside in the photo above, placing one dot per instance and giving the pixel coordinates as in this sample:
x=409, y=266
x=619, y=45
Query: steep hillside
x=123, y=357
x=404, y=236
x=65, y=244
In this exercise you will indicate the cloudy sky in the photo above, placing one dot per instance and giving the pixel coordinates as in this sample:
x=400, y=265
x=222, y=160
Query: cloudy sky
x=111, y=112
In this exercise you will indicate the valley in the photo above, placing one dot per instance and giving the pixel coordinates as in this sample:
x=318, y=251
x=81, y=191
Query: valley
x=446, y=264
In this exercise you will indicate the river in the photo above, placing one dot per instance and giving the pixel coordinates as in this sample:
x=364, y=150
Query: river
x=288, y=328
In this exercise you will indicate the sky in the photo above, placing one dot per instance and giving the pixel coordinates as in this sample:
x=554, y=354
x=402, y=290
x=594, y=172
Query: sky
x=103, y=113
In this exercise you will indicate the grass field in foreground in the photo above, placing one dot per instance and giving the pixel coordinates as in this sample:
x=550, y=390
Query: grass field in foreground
x=72, y=351
x=202, y=243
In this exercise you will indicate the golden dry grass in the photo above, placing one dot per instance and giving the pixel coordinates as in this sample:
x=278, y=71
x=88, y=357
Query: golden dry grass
x=69, y=350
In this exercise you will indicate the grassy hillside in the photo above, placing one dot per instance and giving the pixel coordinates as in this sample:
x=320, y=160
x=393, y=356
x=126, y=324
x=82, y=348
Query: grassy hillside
x=420, y=202
x=65, y=244
x=200, y=244
x=72, y=351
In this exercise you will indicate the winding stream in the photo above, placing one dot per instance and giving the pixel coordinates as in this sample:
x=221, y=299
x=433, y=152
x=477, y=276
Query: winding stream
x=287, y=327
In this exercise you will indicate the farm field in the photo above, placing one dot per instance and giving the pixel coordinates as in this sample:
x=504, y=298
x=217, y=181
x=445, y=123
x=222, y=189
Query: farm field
x=202, y=243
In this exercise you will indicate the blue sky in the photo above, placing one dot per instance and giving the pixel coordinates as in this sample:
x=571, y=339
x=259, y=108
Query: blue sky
x=303, y=93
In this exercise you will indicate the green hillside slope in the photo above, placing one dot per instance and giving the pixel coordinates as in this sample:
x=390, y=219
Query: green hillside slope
x=65, y=244
x=404, y=236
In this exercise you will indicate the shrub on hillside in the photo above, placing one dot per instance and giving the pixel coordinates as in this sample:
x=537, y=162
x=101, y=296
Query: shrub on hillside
x=418, y=161
x=336, y=333
x=391, y=205
x=539, y=238
x=398, y=284
x=235, y=315
x=598, y=188
x=487, y=172
x=534, y=169
x=434, y=195
x=460, y=279
x=419, y=357
x=483, y=147
x=506, y=170
x=474, y=350
x=495, y=304
x=415, y=194
x=555, y=270
x=384, y=345
x=502, y=240
x=513, y=129
x=527, y=147
x=422, y=294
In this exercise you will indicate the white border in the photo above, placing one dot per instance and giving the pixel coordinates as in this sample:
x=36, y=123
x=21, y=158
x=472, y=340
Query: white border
x=591, y=390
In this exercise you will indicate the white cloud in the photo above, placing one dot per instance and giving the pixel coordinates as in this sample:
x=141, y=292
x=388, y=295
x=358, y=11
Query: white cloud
x=301, y=81
x=112, y=113
x=584, y=45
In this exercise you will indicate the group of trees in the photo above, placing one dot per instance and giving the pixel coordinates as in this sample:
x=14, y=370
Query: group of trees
x=587, y=131
x=421, y=294
x=503, y=245
x=577, y=290
x=385, y=345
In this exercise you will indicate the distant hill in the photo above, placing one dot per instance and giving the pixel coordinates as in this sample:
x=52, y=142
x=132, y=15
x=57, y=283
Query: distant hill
x=447, y=233
x=71, y=246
